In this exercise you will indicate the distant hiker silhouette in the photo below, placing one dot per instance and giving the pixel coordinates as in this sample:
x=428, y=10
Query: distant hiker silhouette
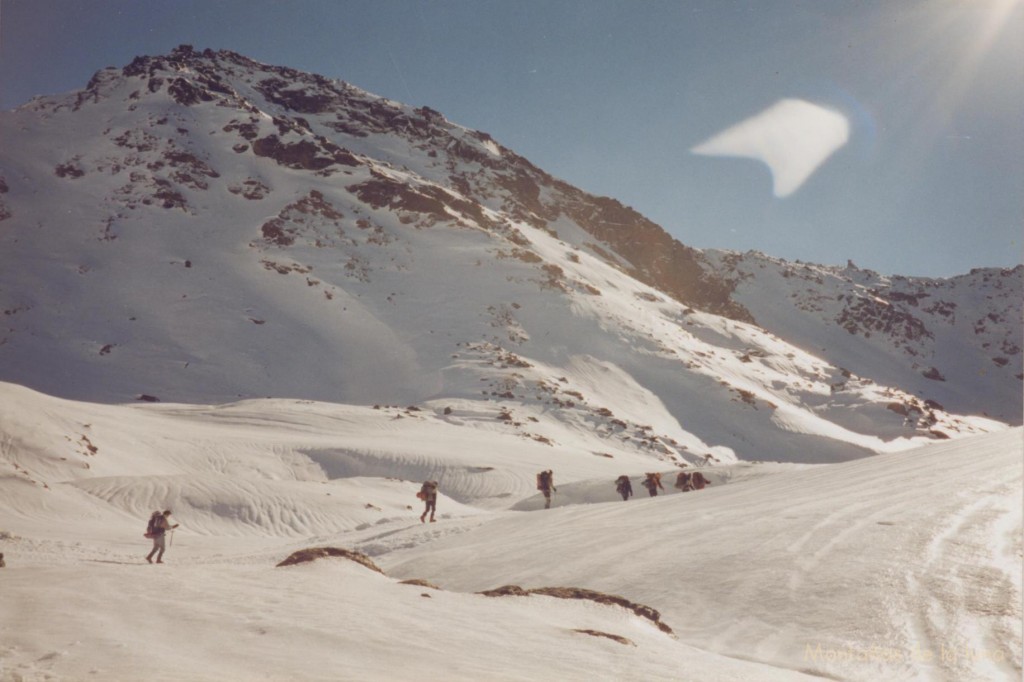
x=428, y=493
x=159, y=524
x=546, y=484
x=698, y=481
x=652, y=483
x=624, y=487
x=2, y=562
x=683, y=482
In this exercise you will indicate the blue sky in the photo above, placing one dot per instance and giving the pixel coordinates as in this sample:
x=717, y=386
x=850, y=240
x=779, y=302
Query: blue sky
x=611, y=96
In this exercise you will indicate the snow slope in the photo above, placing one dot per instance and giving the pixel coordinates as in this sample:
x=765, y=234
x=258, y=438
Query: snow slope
x=900, y=566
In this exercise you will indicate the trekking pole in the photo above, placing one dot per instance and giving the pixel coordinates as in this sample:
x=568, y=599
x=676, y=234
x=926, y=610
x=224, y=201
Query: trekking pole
x=172, y=537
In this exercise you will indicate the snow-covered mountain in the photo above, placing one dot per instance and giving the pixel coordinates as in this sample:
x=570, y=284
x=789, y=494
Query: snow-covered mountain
x=201, y=228
x=955, y=340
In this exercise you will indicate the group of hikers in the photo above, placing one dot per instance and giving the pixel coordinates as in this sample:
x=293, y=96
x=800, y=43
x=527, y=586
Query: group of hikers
x=160, y=523
x=685, y=482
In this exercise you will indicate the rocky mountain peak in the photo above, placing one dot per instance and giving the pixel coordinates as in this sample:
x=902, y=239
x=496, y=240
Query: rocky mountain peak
x=318, y=122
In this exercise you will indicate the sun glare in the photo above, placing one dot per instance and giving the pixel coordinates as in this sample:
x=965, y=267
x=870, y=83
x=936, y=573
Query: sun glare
x=997, y=18
x=952, y=40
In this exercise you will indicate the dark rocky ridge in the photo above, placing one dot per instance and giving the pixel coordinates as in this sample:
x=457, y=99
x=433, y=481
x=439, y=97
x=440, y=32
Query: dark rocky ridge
x=507, y=180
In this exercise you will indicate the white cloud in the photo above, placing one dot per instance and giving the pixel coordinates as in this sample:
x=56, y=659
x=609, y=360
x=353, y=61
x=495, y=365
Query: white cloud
x=792, y=137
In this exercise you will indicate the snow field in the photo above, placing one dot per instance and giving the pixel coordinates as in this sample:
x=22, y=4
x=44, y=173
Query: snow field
x=900, y=566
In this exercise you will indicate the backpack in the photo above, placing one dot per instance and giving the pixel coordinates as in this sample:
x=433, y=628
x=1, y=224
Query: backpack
x=427, y=490
x=545, y=481
x=152, y=530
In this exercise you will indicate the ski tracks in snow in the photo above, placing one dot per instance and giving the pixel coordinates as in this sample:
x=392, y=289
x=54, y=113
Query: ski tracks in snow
x=961, y=605
x=835, y=528
x=413, y=535
x=947, y=604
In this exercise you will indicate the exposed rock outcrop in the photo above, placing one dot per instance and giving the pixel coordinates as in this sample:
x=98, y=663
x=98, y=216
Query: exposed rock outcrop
x=313, y=553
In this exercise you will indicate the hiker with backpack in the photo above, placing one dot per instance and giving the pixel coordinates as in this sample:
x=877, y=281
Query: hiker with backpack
x=652, y=483
x=428, y=493
x=697, y=481
x=159, y=524
x=624, y=487
x=546, y=484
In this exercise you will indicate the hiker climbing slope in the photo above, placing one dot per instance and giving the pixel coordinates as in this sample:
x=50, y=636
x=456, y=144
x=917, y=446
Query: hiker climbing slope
x=159, y=524
x=546, y=484
x=653, y=483
x=428, y=493
x=624, y=487
x=697, y=481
